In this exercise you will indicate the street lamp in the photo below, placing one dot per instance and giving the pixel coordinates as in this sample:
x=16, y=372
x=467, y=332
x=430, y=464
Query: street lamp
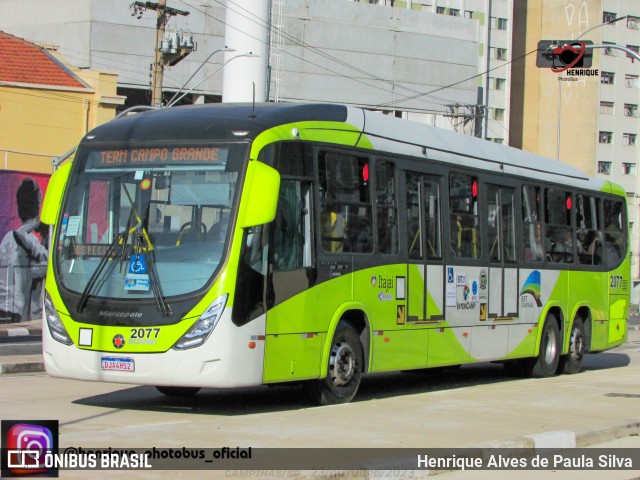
x=600, y=25
x=225, y=49
x=174, y=100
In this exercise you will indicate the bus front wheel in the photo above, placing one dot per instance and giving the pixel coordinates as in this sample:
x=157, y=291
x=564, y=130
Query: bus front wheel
x=344, y=370
x=572, y=361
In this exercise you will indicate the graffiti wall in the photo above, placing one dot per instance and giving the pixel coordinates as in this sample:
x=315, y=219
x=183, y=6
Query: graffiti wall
x=23, y=246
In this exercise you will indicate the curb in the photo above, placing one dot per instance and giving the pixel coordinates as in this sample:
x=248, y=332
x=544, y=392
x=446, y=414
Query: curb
x=564, y=439
x=12, y=332
x=21, y=367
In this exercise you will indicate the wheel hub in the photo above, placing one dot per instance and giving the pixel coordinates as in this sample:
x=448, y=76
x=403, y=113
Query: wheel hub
x=342, y=364
x=577, y=345
x=550, y=351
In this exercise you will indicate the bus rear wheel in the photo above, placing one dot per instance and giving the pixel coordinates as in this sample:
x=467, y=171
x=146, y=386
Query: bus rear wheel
x=546, y=363
x=548, y=359
x=344, y=370
x=572, y=362
x=178, y=391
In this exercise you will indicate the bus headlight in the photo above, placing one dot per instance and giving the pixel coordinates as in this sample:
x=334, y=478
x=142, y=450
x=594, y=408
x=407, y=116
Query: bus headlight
x=203, y=327
x=56, y=327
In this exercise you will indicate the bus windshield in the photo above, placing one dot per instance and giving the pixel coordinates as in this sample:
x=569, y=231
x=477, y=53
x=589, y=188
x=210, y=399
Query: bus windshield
x=138, y=220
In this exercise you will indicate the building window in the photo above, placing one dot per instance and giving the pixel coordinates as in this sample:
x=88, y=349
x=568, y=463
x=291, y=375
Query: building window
x=468, y=14
x=604, y=168
x=606, y=107
x=496, y=140
x=607, y=78
x=501, y=54
x=440, y=10
x=498, y=114
x=605, y=137
x=628, y=168
x=454, y=12
x=631, y=81
x=630, y=110
x=608, y=17
x=608, y=50
x=633, y=22
x=498, y=83
x=501, y=23
x=635, y=48
x=629, y=139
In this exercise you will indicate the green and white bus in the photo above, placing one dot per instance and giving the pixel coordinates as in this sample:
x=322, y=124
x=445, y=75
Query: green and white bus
x=234, y=245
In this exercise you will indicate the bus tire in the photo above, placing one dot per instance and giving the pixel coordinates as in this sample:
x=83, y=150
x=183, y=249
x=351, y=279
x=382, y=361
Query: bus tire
x=572, y=362
x=178, y=391
x=546, y=363
x=344, y=371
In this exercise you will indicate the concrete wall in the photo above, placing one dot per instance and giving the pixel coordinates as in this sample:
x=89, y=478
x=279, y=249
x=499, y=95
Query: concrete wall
x=419, y=51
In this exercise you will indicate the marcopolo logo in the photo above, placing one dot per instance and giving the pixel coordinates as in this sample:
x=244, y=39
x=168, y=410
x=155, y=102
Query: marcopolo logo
x=24, y=445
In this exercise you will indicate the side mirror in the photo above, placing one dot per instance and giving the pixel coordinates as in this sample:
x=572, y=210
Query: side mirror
x=53, y=195
x=260, y=195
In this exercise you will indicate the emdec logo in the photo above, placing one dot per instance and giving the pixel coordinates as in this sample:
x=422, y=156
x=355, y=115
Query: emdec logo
x=24, y=445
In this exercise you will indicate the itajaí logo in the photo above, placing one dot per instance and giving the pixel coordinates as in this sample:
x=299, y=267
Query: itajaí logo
x=531, y=287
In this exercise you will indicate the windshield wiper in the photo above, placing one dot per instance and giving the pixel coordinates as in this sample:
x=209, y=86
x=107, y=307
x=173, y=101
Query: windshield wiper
x=84, y=298
x=154, y=279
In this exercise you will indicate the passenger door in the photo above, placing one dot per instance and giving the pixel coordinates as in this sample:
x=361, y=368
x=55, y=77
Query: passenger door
x=424, y=248
x=490, y=340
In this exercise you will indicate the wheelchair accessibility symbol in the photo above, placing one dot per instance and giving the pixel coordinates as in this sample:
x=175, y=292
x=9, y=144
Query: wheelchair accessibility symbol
x=137, y=264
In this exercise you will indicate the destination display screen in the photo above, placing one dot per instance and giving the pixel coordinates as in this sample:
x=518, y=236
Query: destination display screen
x=146, y=156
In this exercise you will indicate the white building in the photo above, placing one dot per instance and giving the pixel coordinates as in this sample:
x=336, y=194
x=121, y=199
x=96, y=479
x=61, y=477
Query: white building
x=413, y=63
x=618, y=114
x=494, y=19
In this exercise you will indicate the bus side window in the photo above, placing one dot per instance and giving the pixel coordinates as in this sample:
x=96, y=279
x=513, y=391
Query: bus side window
x=588, y=230
x=614, y=241
x=559, y=240
x=345, y=203
x=463, y=200
x=249, y=301
x=531, y=221
x=386, y=207
x=291, y=245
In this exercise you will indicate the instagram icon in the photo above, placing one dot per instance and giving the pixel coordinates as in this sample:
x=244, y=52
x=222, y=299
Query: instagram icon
x=25, y=445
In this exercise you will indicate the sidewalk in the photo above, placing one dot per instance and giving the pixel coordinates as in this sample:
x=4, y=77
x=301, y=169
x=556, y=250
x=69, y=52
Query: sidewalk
x=12, y=334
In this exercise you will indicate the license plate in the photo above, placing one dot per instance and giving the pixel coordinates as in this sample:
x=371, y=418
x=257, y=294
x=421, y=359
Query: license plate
x=118, y=364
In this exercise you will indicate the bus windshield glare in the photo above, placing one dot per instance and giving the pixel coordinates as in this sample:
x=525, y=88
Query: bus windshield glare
x=147, y=220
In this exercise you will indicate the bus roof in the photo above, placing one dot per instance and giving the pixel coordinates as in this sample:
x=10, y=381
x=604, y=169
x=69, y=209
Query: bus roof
x=219, y=122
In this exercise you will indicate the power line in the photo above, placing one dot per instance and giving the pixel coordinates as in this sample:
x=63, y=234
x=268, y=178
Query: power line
x=459, y=82
x=319, y=52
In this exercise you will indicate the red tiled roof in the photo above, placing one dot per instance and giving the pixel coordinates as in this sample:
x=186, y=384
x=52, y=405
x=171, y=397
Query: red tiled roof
x=24, y=62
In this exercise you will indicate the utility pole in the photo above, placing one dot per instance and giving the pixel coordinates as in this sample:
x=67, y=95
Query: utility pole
x=158, y=67
x=161, y=52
